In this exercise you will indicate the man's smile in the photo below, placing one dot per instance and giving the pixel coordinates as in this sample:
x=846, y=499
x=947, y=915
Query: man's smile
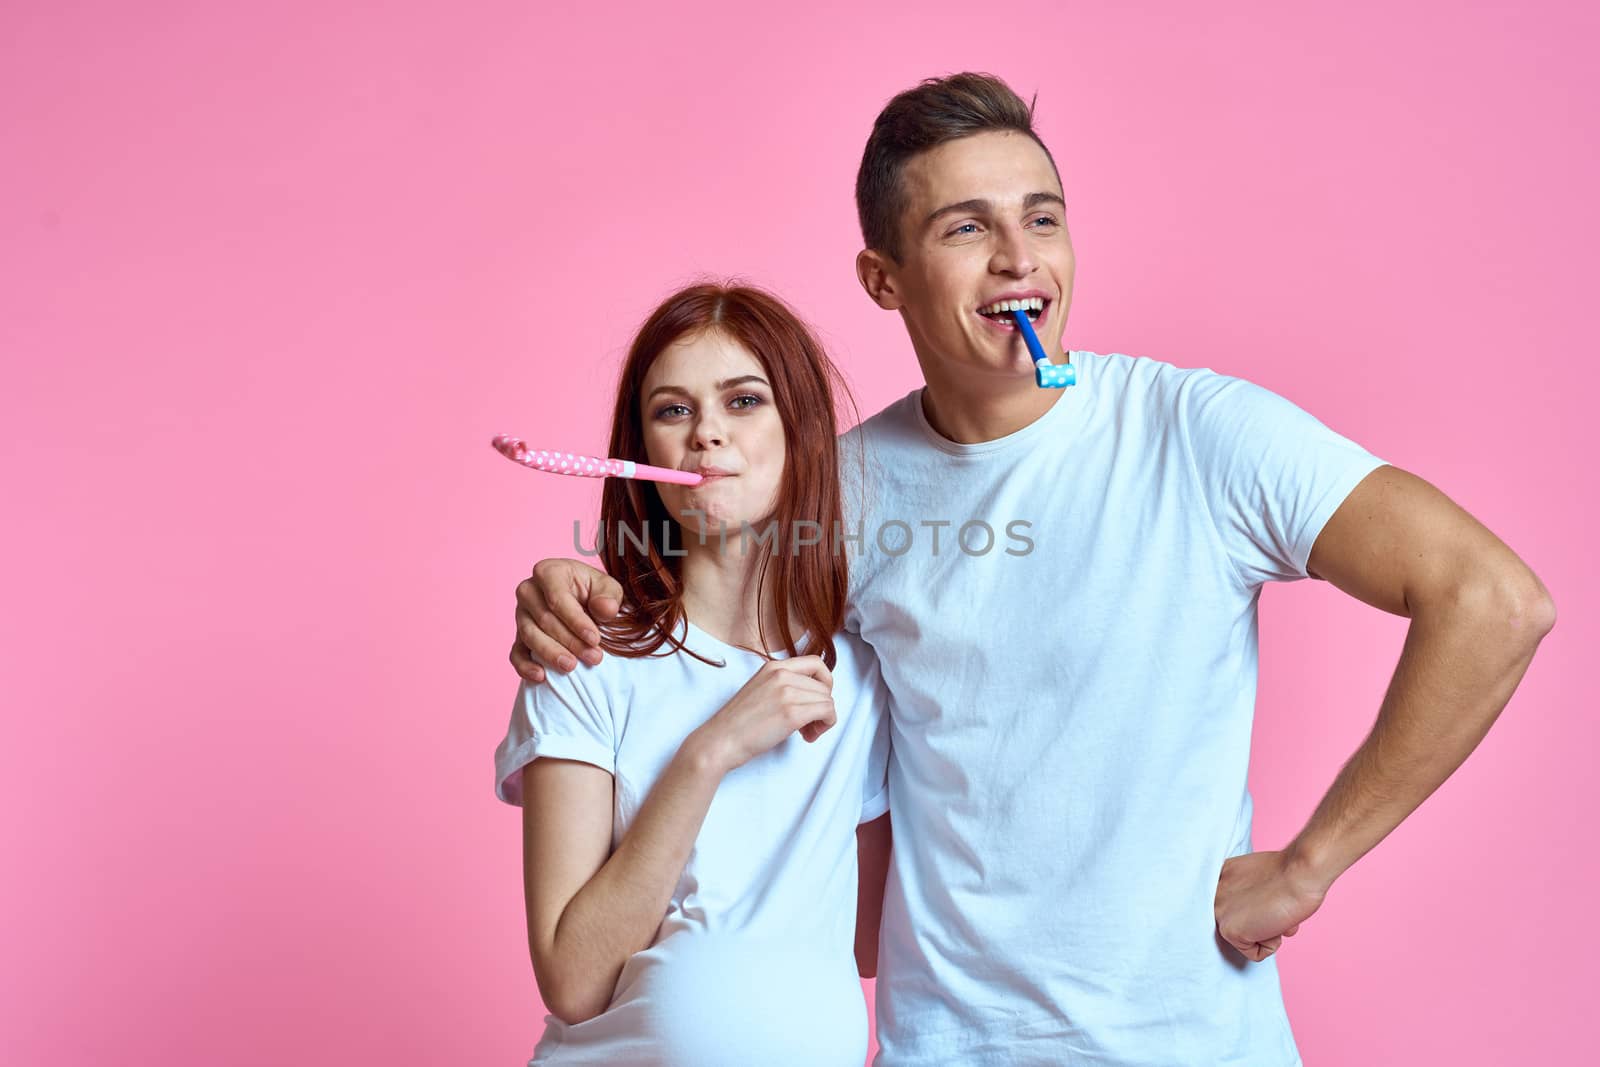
x=1037, y=308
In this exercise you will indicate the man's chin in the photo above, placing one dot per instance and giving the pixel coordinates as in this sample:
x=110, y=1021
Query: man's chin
x=982, y=360
x=1003, y=350
x=1000, y=364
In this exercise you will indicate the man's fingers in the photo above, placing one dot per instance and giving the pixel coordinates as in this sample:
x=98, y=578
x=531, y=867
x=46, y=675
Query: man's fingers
x=548, y=607
x=526, y=667
x=575, y=623
x=529, y=598
x=1260, y=950
x=602, y=593
x=535, y=638
x=604, y=606
x=572, y=648
x=534, y=635
x=1255, y=951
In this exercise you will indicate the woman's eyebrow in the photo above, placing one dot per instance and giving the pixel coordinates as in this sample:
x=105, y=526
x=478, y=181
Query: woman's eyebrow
x=728, y=384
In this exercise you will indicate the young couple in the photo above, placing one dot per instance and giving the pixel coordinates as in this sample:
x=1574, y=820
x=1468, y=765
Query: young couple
x=1058, y=725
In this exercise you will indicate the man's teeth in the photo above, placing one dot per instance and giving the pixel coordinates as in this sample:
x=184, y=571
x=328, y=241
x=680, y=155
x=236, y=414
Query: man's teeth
x=1001, y=307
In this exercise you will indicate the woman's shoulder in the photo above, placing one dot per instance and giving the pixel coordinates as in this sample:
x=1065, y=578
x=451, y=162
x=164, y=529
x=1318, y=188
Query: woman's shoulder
x=606, y=690
x=631, y=676
x=637, y=661
x=624, y=665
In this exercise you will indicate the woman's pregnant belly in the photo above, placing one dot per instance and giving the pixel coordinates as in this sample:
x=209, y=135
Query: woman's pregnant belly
x=710, y=999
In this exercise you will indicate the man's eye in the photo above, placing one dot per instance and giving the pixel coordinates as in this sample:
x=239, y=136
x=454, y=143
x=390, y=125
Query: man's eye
x=964, y=226
x=1046, y=219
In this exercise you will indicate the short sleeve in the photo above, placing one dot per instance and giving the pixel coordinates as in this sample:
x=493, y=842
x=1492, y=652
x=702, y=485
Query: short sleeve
x=1272, y=475
x=567, y=717
x=853, y=519
x=875, y=787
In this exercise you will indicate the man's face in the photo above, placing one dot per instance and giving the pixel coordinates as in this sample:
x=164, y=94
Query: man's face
x=984, y=221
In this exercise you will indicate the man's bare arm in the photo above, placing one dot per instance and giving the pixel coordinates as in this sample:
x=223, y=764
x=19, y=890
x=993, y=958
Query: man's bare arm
x=1477, y=616
x=874, y=840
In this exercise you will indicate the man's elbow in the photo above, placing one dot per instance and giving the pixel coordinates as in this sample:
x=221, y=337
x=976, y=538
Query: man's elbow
x=1527, y=606
x=1512, y=600
x=1540, y=612
x=572, y=1014
x=568, y=997
x=569, y=1002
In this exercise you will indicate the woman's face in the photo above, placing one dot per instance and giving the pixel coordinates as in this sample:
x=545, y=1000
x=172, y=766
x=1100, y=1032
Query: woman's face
x=707, y=407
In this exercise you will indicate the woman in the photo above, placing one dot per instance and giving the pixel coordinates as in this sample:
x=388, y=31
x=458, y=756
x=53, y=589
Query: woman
x=690, y=804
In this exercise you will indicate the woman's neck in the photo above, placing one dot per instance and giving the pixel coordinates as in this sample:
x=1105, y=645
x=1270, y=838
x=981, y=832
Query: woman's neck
x=720, y=596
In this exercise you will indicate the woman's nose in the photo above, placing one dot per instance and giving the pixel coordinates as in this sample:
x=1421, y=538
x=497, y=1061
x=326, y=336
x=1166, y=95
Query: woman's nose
x=709, y=434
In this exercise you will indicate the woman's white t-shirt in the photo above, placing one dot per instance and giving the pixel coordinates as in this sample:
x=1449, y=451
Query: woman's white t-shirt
x=754, y=961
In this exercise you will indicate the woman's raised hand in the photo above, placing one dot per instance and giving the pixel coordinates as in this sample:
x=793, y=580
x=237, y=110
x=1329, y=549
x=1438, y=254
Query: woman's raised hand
x=784, y=696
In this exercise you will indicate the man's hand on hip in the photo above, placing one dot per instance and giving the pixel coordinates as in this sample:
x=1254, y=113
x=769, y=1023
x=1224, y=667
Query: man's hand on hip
x=1260, y=901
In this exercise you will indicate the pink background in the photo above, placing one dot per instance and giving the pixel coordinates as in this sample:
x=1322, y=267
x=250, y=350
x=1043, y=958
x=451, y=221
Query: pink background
x=271, y=275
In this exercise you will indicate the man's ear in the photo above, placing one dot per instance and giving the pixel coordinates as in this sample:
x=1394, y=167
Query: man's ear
x=876, y=273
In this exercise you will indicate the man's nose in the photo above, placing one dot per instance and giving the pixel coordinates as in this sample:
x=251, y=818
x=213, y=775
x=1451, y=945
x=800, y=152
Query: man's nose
x=1013, y=254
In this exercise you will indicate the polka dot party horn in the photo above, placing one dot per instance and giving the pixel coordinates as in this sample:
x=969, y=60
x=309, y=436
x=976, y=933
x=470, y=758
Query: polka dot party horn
x=1048, y=375
x=543, y=459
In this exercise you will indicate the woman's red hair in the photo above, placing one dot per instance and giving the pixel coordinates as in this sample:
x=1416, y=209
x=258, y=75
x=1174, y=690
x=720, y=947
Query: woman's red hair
x=811, y=582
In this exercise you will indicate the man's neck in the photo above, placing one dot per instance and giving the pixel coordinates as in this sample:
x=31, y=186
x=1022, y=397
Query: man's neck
x=970, y=416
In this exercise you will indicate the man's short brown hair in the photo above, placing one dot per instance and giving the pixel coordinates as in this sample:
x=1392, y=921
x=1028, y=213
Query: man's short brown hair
x=936, y=111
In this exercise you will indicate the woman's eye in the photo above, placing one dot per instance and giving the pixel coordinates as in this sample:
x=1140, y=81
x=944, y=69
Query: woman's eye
x=668, y=411
x=754, y=400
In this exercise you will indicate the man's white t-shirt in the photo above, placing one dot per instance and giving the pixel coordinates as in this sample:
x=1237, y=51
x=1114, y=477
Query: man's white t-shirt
x=1072, y=677
x=755, y=958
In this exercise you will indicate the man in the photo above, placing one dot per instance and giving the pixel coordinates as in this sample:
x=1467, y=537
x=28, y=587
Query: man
x=1062, y=589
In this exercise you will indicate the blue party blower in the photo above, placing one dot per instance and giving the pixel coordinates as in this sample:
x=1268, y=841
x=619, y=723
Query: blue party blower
x=1048, y=375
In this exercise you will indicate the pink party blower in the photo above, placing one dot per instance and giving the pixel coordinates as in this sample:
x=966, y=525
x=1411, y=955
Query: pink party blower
x=587, y=466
